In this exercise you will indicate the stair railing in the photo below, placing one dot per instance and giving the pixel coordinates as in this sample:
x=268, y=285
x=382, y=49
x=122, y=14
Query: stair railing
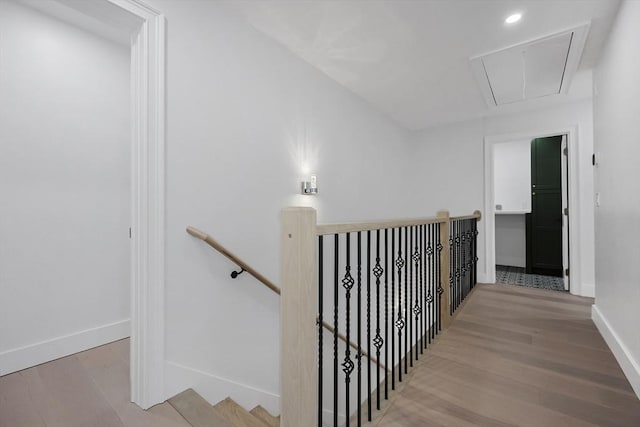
x=260, y=277
x=392, y=285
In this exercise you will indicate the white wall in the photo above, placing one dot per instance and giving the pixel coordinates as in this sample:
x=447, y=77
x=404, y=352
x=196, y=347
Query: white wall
x=512, y=176
x=511, y=240
x=617, y=132
x=244, y=114
x=64, y=186
x=456, y=151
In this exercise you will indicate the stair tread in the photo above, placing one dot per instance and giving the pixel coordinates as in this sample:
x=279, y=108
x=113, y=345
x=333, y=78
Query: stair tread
x=197, y=411
x=237, y=415
x=264, y=416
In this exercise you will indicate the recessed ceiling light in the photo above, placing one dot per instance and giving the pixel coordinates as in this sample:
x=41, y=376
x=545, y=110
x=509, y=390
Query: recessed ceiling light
x=512, y=19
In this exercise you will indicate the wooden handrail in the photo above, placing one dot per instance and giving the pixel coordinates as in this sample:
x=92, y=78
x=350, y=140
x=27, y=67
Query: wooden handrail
x=476, y=214
x=268, y=283
x=323, y=229
x=339, y=228
x=224, y=251
x=353, y=345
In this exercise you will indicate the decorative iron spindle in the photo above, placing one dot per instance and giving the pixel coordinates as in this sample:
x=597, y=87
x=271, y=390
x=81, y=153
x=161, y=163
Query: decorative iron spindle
x=369, y=324
x=400, y=321
x=393, y=292
x=335, y=330
x=320, y=321
x=416, y=306
x=407, y=298
x=438, y=261
x=378, y=341
x=423, y=265
x=347, y=364
x=386, y=312
x=359, y=329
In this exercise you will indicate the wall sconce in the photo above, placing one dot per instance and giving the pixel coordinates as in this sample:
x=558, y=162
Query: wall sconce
x=310, y=188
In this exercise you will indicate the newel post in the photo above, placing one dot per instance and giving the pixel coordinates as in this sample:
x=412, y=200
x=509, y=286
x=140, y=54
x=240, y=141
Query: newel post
x=298, y=308
x=444, y=269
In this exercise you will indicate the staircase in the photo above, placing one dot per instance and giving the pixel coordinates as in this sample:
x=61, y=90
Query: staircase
x=226, y=413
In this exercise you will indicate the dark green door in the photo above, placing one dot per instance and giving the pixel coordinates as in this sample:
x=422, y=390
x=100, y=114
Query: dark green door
x=544, y=223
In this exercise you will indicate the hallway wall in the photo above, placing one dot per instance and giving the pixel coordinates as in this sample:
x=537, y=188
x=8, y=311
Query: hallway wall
x=64, y=186
x=456, y=151
x=617, y=133
x=244, y=114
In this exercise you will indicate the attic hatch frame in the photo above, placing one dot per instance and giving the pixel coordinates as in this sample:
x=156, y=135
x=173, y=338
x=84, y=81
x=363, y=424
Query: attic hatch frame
x=148, y=71
x=579, y=37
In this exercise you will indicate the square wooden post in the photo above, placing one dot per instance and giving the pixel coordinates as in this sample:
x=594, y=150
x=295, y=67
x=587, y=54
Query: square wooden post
x=444, y=269
x=298, y=310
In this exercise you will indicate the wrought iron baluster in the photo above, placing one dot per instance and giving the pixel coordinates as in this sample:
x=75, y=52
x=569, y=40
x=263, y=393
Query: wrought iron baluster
x=423, y=265
x=359, y=332
x=406, y=299
x=410, y=296
x=347, y=364
x=335, y=329
x=416, y=306
x=320, y=320
x=438, y=264
x=369, y=324
x=378, y=341
x=386, y=312
x=400, y=321
x=393, y=302
x=431, y=274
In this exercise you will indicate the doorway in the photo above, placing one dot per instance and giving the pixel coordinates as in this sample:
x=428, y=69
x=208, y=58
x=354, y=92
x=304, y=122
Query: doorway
x=531, y=227
x=146, y=38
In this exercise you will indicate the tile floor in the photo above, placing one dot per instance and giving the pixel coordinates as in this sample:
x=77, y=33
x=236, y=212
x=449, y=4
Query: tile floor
x=507, y=275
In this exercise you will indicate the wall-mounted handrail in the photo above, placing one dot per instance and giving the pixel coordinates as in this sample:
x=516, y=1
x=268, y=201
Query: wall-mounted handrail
x=234, y=258
x=268, y=283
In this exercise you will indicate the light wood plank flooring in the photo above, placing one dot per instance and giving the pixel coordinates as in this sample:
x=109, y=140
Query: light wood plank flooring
x=88, y=389
x=517, y=357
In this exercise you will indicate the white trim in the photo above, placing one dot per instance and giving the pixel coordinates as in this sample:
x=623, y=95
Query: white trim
x=627, y=362
x=34, y=354
x=489, y=274
x=214, y=388
x=148, y=46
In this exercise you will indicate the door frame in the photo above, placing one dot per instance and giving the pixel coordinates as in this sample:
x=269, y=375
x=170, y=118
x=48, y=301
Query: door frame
x=574, y=192
x=148, y=124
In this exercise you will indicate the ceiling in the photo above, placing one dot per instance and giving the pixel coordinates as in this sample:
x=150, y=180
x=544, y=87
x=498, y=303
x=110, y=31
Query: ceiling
x=410, y=58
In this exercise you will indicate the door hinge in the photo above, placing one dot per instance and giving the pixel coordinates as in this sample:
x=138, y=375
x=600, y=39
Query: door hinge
x=566, y=211
x=565, y=151
x=566, y=272
x=129, y=232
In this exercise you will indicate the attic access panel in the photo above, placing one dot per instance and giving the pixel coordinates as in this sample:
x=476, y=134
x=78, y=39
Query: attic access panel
x=541, y=67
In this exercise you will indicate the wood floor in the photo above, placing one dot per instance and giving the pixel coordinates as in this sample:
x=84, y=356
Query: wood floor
x=516, y=356
x=89, y=389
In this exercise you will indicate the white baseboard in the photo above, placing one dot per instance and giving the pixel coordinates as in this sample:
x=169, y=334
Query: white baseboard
x=214, y=388
x=629, y=365
x=34, y=354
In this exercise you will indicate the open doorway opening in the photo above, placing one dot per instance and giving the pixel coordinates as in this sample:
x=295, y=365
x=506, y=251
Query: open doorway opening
x=65, y=177
x=145, y=35
x=531, y=212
